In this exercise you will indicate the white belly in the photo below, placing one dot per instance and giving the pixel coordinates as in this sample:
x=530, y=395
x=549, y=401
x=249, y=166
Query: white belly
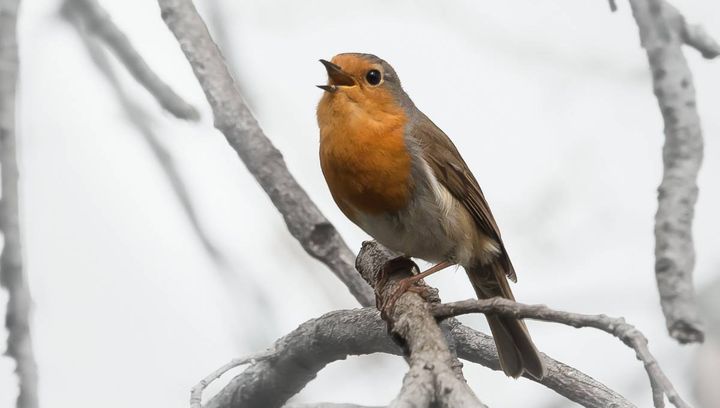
x=434, y=227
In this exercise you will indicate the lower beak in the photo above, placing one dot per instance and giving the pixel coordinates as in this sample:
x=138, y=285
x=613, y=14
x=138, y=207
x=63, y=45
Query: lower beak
x=337, y=77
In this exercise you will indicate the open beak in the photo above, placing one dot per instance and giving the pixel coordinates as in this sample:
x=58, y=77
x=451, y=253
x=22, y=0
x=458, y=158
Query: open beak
x=337, y=77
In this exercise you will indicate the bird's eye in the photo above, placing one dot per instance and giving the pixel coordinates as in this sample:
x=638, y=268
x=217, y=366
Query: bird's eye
x=373, y=77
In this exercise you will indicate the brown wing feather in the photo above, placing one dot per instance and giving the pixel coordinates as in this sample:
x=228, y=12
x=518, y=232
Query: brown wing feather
x=452, y=172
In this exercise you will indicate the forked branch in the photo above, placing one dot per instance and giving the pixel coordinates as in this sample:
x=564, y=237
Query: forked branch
x=663, y=31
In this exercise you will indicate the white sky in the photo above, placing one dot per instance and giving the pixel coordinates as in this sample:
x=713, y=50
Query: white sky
x=550, y=103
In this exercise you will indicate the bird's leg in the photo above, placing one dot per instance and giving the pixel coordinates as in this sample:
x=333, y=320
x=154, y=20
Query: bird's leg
x=398, y=264
x=408, y=285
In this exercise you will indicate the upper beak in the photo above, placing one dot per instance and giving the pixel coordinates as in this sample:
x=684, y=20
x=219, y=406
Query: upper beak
x=337, y=77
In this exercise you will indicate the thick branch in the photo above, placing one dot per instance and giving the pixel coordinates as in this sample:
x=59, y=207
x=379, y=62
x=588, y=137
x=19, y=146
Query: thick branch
x=304, y=220
x=431, y=379
x=12, y=274
x=617, y=327
x=662, y=34
x=98, y=21
x=300, y=355
x=692, y=35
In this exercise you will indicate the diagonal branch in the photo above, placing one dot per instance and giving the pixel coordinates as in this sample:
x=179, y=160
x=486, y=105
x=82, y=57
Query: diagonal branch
x=617, y=327
x=74, y=11
x=304, y=220
x=662, y=33
x=301, y=354
x=12, y=275
x=98, y=21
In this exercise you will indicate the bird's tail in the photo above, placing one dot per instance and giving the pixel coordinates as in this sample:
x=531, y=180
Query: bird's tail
x=515, y=348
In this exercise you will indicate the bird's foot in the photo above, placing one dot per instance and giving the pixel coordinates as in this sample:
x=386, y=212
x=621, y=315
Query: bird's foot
x=404, y=286
x=409, y=284
x=401, y=264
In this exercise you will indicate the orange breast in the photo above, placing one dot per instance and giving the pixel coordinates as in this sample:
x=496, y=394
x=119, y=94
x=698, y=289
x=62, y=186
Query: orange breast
x=363, y=154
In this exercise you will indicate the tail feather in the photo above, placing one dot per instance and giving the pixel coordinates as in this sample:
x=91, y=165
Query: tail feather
x=516, y=350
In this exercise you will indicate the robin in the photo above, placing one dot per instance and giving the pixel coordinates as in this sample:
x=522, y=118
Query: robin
x=396, y=175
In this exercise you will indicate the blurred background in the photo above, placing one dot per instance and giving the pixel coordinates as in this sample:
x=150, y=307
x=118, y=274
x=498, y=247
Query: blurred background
x=550, y=103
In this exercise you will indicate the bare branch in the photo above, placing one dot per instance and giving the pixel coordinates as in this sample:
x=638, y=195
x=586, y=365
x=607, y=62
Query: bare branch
x=98, y=21
x=565, y=380
x=613, y=5
x=480, y=348
x=232, y=117
x=12, y=274
x=694, y=36
x=431, y=378
x=197, y=390
x=662, y=36
x=301, y=354
x=72, y=10
x=617, y=327
x=217, y=17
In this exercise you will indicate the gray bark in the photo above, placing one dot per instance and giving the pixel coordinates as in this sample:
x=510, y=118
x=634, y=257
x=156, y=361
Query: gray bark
x=12, y=273
x=431, y=379
x=662, y=33
x=232, y=117
x=99, y=23
x=271, y=383
x=627, y=333
x=85, y=15
x=298, y=357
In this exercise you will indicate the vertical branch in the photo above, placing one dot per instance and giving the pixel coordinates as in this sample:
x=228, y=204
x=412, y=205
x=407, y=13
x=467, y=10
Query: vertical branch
x=12, y=276
x=662, y=34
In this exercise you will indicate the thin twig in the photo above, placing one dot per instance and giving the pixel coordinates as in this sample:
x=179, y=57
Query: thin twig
x=304, y=220
x=98, y=21
x=241, y=289
x=613, y=5
x=617, y=327
x=662, y=36
x=72, y=10
x=197, y=390
x=12, y=273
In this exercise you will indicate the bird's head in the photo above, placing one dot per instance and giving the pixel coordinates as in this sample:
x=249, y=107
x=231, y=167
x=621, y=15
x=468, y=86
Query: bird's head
x=363, y=78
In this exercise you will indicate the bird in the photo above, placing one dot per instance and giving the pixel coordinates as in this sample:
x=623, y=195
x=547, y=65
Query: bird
x=401, y=179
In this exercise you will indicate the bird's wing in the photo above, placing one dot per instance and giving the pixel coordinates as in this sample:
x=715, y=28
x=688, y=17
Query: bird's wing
x=452, y=172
